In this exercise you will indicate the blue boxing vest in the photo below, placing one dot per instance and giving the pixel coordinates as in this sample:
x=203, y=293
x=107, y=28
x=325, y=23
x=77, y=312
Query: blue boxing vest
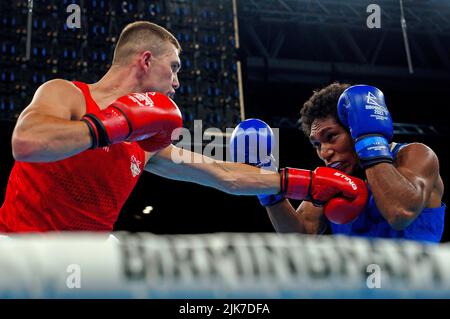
x=428, y=226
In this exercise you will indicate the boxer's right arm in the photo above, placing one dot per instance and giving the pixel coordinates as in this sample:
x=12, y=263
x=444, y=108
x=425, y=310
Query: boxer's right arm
x=307, y=219
x=48, y=130
x=343, y=197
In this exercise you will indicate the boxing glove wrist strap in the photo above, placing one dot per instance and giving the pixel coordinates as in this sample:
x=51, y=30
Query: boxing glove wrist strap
x=297, y=184
x=92, y=131
x=270, y=200
x=108, y=127
x=373, y=149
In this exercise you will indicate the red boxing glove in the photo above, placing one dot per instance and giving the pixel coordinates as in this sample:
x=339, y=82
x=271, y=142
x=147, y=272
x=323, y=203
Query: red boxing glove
x=148, y=118
x=343, y=197
x=341, y=210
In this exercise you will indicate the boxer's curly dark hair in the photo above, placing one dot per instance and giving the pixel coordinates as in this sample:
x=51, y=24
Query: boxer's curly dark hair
x=322, y=104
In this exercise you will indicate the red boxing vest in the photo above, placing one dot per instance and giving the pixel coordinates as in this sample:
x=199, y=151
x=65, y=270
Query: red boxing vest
x=84, y=192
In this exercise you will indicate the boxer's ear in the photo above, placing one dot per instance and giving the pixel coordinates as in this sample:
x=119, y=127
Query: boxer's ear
x=145, y=60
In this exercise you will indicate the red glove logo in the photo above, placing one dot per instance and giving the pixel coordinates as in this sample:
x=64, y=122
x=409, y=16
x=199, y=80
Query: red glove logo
x=142, y=99
x=348, y=179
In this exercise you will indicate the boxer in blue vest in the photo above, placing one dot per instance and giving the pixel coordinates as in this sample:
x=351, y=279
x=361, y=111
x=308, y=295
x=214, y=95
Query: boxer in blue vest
x=351, y=130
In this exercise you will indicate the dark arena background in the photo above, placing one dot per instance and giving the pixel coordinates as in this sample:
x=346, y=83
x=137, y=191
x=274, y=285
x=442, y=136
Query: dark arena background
x=240, y=59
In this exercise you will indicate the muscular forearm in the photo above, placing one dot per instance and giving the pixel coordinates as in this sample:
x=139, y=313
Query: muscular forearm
x=44, y=138
x=233, y=178
x=286, y=219
x=243, y=179
x=396, y=197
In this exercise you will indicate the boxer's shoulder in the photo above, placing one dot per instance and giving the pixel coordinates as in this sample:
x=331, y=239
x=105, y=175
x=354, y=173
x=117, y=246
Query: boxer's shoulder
x=413, y=151
x=58, y=89
x=59, y=86
x=60, y=93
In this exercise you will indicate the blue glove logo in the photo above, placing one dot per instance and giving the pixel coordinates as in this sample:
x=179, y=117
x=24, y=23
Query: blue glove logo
x=362, y=110
x=380, y=112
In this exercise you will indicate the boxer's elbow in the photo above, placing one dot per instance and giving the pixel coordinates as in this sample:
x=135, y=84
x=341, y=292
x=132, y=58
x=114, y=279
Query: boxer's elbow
x=24, y=141
x=24, y=148
x=401, y=214
x=401, y=218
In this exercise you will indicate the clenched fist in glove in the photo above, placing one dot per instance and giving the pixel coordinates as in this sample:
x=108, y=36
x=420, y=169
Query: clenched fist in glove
x=362, y=109
x=252, y=142
x=148, y=118
x=343, y=197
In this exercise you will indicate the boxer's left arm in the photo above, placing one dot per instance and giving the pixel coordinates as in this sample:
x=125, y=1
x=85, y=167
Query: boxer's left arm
x=306, y=219
x=232, y=178
x=401, y=191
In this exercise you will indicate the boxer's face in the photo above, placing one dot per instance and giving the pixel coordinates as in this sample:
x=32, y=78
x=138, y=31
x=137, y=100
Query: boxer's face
x=334, y=145
x=163, y=75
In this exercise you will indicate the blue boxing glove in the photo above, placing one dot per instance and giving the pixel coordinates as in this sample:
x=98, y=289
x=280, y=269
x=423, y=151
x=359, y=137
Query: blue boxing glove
x=361, y=108
x=251, y=143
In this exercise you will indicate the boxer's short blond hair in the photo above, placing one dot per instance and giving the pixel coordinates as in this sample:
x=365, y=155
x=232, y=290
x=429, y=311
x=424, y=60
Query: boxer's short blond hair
x=142, y=36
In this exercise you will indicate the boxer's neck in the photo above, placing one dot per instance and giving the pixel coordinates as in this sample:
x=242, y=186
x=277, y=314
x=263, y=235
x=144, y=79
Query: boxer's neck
x=117, y=82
